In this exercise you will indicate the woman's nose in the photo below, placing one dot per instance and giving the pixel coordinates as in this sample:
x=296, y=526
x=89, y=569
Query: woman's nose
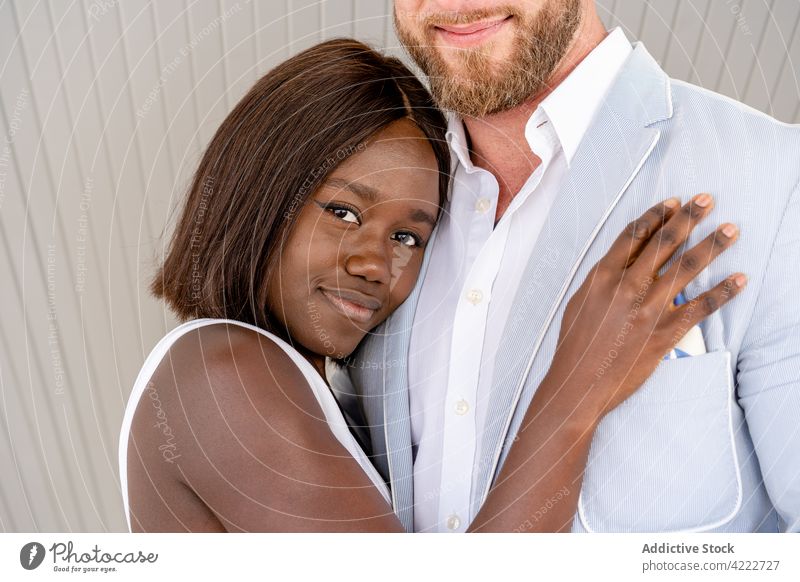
x=370, y=260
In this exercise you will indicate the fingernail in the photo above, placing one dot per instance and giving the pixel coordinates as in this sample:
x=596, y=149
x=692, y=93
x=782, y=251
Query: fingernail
x=740, y=280
x=672, y=203
x=730, y=230
x=703, y=200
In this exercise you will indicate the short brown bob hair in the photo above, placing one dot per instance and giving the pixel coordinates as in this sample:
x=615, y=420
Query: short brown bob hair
x=271, y=153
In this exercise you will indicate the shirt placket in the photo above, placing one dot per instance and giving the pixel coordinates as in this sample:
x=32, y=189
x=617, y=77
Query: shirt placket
x=460, y=434
x=467, y=340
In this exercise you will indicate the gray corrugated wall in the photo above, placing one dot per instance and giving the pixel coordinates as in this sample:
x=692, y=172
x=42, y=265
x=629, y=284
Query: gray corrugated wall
x=105, y=107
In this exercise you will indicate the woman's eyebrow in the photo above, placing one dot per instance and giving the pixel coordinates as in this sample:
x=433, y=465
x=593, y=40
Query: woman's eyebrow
x=422, y=216
x=367, y=193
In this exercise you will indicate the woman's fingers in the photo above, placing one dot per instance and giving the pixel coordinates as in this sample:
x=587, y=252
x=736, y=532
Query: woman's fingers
x=690, y=314
x=637, y=234
x=671, y=236
x=693, y=261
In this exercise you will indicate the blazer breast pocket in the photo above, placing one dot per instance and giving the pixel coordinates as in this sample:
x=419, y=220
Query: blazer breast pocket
x=665, y=459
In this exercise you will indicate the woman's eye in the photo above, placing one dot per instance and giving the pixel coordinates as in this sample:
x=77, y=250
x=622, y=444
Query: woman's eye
x=345, y=214
x=407, y=238
x=341, y=212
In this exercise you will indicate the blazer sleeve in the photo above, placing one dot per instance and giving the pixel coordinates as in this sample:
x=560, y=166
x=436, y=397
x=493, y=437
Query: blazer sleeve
x=768, y=373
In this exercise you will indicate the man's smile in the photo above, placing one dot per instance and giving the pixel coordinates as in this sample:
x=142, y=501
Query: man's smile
x=468, y=35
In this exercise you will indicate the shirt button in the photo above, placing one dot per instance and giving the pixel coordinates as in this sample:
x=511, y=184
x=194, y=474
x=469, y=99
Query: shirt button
x=453, y=522
x=483, y=205
x=474, y=296
x=462, y=407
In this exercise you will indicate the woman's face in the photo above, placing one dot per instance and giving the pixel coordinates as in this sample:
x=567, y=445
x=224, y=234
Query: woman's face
x=356, y=248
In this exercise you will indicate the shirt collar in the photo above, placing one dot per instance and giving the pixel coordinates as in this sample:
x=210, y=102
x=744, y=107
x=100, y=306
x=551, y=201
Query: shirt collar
x=570, y=107
x=457, y=140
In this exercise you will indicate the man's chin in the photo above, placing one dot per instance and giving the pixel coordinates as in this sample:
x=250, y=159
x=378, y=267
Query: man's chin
x=465, y=80
x=490, y=55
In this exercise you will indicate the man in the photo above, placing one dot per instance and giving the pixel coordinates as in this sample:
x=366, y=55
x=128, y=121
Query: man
x=562, y=133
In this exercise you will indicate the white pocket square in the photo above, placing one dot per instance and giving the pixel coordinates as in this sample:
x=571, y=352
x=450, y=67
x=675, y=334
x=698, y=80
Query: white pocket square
x=692, y=344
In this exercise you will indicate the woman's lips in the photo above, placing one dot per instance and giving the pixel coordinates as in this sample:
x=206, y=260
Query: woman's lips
x=349, y=308
x=471, y=34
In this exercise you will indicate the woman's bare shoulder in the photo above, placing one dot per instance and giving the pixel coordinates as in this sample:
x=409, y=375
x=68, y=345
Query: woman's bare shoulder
x=251, y=448
x=222, y=404
x=228, y=354
x=235, y=375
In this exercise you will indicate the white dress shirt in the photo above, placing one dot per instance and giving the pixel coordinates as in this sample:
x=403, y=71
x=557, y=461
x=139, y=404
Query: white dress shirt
x=475, y=269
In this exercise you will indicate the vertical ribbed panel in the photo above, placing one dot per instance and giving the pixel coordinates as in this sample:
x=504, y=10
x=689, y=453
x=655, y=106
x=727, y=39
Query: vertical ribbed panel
x=107, y=107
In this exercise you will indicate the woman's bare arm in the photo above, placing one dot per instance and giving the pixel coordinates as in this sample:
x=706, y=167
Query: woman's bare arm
x=254, y=450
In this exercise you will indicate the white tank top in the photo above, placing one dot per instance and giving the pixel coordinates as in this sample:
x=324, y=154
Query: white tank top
x=316, y=384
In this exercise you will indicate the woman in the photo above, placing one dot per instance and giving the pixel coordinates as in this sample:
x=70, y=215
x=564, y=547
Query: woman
x=304, y=228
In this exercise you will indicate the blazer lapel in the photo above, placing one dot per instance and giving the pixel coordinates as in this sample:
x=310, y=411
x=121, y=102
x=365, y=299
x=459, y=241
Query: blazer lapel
x=611, y=154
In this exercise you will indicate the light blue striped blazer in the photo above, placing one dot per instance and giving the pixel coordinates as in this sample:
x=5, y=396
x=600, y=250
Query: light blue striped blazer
x=710, y=442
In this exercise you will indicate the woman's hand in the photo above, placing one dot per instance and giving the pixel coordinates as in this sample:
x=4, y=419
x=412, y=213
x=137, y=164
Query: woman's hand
x=622, y=320
x=616, y=329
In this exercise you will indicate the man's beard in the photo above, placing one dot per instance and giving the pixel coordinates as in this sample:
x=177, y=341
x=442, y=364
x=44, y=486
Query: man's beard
x=479, y=86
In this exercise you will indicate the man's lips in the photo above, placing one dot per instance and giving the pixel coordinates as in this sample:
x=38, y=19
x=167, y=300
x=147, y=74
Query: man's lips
x=352, y=304
x=469, y=34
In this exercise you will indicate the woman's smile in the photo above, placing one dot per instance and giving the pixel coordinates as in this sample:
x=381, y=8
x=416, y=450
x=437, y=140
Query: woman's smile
x=352, y=304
